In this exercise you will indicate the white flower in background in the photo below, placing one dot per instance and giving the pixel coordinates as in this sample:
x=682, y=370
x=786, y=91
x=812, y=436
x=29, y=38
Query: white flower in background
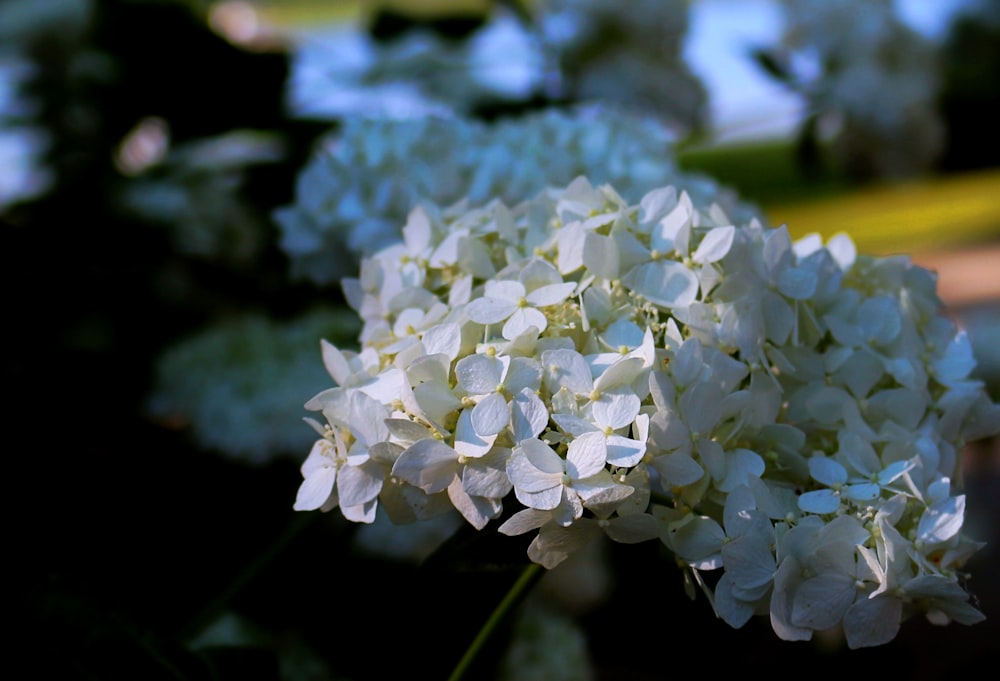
x=357, y=190
x=635, y=57
x=874, y=79
x=554, y=379
x=346, y=72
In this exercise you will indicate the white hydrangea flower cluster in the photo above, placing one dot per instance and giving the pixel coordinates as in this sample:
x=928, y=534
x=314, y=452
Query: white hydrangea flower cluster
x=354, y=194
x=786, y=417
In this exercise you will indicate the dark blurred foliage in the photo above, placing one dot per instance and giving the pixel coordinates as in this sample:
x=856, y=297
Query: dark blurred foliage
x=970, y=98
x=127, y=539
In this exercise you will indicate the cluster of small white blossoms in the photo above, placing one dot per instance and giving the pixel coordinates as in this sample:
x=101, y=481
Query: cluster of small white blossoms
x=785, y=417
x=354, y=194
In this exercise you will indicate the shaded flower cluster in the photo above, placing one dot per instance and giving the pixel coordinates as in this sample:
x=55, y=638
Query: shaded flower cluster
x=233, y=383
x=354, y=194
x=785, y=417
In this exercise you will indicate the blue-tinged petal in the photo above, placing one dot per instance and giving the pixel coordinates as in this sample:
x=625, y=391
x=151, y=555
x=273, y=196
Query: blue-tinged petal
x=821, y=501
x=820, y=602
x=715, y=245
x=678, y=469
x=741, y=464
x=797, y=283
x=872, y=621
x=665, y=283
x=845, y=333
x=786, y=579
x=733, y=611
x=879, y=316
x=942, y=520
x=694, y=538
x=779, y=320
x=893, y=471
x=862, y=491
x=957, y=361
x=623, y=333
x=701, y=405
x=749, y=560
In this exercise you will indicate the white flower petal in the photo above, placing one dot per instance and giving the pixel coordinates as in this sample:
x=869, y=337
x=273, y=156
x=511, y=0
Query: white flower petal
x=528, y=415
x=467, y=441
x=521, y=319
x=600, y=255
x=625, y=452
x=490, y=415
x=357, y=485
x=490, y=310
x=551, y=294
x=428, y=464
x=587, y=455
x=315, y=489
x=715, y=245
x=616, y=409
x=478, y=374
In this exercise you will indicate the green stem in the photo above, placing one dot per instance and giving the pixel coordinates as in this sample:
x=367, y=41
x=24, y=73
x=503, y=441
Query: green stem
x=520, y=588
